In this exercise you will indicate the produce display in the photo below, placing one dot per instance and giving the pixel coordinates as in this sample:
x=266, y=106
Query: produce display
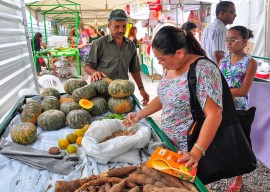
x=86, y=92
x=100, y=106
x=121, y=105
x=78, y=118
x=24, y=133
x=86, y=104
x=66, y=107
x=119, y=133
x=129, y=178
x=101, y=85
x=66, y=98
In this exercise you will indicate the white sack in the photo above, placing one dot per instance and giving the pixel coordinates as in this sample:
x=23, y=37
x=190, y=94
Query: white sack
x=105, y=151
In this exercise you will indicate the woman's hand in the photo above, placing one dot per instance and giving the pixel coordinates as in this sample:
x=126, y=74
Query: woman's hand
x=131, y=119
x=191, y=158
x=97, y=76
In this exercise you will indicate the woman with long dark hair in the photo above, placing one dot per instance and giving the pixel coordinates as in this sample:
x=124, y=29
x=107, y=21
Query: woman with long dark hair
x=176, y=50
x=38, y=43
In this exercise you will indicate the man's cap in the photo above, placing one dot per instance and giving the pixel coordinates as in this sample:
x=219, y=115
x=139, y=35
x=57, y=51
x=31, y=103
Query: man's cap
x=118, y=15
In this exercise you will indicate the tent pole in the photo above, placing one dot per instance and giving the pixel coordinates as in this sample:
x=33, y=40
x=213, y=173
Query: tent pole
x=267, y=31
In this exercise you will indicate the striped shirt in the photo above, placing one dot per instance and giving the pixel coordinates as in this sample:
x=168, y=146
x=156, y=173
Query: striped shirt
x=213, y=38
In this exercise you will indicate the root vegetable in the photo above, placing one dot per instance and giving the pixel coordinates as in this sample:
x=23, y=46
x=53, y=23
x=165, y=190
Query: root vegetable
x=130, y=184
x=108, y=186
x=152, y=188
x=98, y=182
x=160, y=184
x=151, y=173
x=141, y=179
x=189, y=186
x=119, y=186
x=70, y=186
x=135, y=189
x=174, y=181
x=119, y=172
x=92, y=189
x=102, y=189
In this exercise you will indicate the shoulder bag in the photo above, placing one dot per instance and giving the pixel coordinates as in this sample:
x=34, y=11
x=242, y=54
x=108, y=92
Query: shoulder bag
x=229, y=154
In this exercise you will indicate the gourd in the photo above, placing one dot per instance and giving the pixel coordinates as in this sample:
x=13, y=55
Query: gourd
x=31, y=111
x=101, y=85
x=78, y=118
x=66, y=98
x=50, y=102
x=100, y=106
x=51, y=120
x=50, y=92
x=121, y=88
x=24, y=133
x=69, y=106
x=86, y=92
x=121, y=105
x=73, y=84
x=86, y=104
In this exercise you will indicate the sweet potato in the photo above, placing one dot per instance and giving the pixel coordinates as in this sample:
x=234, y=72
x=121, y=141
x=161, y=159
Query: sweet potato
x=152, y=188
x=172, y=181
x=160, y=184
x=141, y=179
x=119, y=186
x=102, y=189
x=70, y=186
x=130, y=184
x=119, y=172
x=151, y=173
x=108, y=186
x=92, y=189
x=189, y=186
x=98, y=182
x=135, y=189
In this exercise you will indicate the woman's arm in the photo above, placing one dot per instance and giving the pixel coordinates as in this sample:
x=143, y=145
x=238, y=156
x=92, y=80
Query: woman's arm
x=247, y=82
x=84, y=43
x=43, y=44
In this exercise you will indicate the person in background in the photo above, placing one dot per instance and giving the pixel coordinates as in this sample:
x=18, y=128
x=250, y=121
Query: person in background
x=239, y=70
x=132, y=36
x=176, y=50
x=94, y=35
x=102, y=33
x=83, y=44
x=115, y=55
x=189, y=27
x=38, y=43
x=214, y=34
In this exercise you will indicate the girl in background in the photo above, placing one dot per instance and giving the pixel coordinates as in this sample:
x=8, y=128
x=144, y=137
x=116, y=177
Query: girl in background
x=94, y=35
x=83, y=44
x=239, y=70
x=132, y=36
x=37, y=46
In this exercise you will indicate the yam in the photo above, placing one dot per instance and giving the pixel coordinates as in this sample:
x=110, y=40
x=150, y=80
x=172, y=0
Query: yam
x=135, y=189
x=119, y=186
x=119, y=172
x=108, y=186
x=97, y=182
x=130, y=184
x=189, y=186
x=102, y=189
x=141, y=179
x=151, y=173
x=70, y=186
x=160, y=184
x=152, y=188
x=174, y=181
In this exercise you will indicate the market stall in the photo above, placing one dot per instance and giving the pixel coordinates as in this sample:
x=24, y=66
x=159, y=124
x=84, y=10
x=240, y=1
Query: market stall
x=65, y=14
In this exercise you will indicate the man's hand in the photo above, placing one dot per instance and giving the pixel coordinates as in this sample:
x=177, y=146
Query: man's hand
x=145, y=97
x=97, y=76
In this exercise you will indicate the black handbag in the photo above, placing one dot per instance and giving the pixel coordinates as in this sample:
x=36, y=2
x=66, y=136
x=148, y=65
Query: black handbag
x=246, y=117
x=229, y=154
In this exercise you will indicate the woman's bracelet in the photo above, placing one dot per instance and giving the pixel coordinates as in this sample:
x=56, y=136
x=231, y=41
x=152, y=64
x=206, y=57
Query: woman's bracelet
x=200, y=148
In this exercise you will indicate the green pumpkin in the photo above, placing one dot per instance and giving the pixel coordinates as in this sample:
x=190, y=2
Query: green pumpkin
x=121, y=105
x=51, y=120
x=86, y=92
x=73, y=84
x=30, y=112
x=24, y=133
x=69, y=106
x=100, y=106
x=101, y=85
x=121, y=88
x=50, y=102
x=78, y=118
x=66, y=98
x=50, y=92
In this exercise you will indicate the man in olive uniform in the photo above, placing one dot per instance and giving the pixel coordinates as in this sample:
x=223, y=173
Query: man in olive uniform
x=115, y=55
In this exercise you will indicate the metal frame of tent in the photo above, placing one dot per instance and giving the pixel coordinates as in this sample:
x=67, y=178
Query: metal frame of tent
x=69, y=8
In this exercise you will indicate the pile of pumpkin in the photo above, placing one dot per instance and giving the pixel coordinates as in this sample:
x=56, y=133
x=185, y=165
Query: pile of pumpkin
x=76, y=108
